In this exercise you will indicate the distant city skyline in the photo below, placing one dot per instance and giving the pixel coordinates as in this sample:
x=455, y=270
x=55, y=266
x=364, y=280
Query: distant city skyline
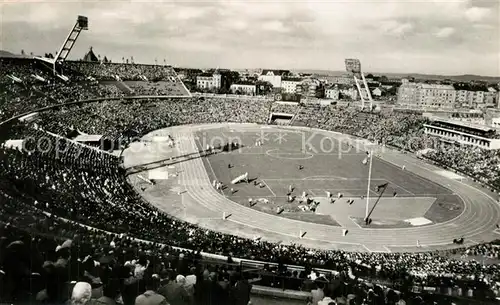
x=426, y=36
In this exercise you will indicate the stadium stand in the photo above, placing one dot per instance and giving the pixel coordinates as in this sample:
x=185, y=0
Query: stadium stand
x=110, y=71
x=281, y=107
x=403, y=131
x=132, y=78
x=72, y=228
x=20, y=92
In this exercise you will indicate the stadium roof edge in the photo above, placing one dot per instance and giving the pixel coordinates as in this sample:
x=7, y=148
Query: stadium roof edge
x=465, y=124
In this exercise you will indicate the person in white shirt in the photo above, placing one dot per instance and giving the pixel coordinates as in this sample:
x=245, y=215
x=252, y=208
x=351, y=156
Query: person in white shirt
x=191, y=278
x=318, y=294
x=327, y=300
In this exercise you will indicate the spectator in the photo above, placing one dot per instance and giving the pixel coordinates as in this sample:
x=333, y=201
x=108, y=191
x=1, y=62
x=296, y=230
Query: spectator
x=174, y=293
x=82, y=293
x=150, y=297
x=181, y=280
x=318, y=293
x=327, y=299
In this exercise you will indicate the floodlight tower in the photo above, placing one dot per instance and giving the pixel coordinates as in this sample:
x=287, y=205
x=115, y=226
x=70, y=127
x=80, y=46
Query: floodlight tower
x=353, y=66
x=82, y=23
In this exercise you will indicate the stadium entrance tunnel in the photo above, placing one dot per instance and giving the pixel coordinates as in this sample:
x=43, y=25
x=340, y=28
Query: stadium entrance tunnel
x=280, y=118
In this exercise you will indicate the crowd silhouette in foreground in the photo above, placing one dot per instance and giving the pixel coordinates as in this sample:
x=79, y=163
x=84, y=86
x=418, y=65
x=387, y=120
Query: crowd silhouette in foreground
x=72, y=229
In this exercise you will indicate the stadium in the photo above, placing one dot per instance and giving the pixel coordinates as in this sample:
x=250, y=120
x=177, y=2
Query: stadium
x=119, y=166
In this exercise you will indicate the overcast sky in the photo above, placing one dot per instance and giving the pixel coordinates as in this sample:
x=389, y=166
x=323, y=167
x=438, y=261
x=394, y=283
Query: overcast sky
x=425, y=36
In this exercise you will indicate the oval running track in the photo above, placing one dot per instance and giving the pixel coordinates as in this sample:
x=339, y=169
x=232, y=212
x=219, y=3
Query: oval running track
x=477, y=222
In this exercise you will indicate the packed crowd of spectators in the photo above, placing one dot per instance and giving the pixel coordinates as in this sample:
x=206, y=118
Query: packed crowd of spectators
x=481, y=164
x=116, y=119
x=26, y=85
x=401, y=130
x=156, y=88
x=110, y=71
x=287, y=108
x=47, y=260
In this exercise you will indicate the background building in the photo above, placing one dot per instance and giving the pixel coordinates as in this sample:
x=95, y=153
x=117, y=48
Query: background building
x=289, y=85
x=436, y=96
x=348, y=92
x=476, y=96
x=344, y=79
x=188, y=74
x=273, y=77
x=378, y=92
x=423, y=95
x=90, y=56
x=458, y=132
x=311, y=87
x=332, y=92
x=490, y=98
x=209, y=80
x=465, y=98
x=243, y=88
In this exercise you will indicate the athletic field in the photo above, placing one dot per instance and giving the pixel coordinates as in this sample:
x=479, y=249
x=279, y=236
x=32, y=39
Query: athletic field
x=330, y=164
